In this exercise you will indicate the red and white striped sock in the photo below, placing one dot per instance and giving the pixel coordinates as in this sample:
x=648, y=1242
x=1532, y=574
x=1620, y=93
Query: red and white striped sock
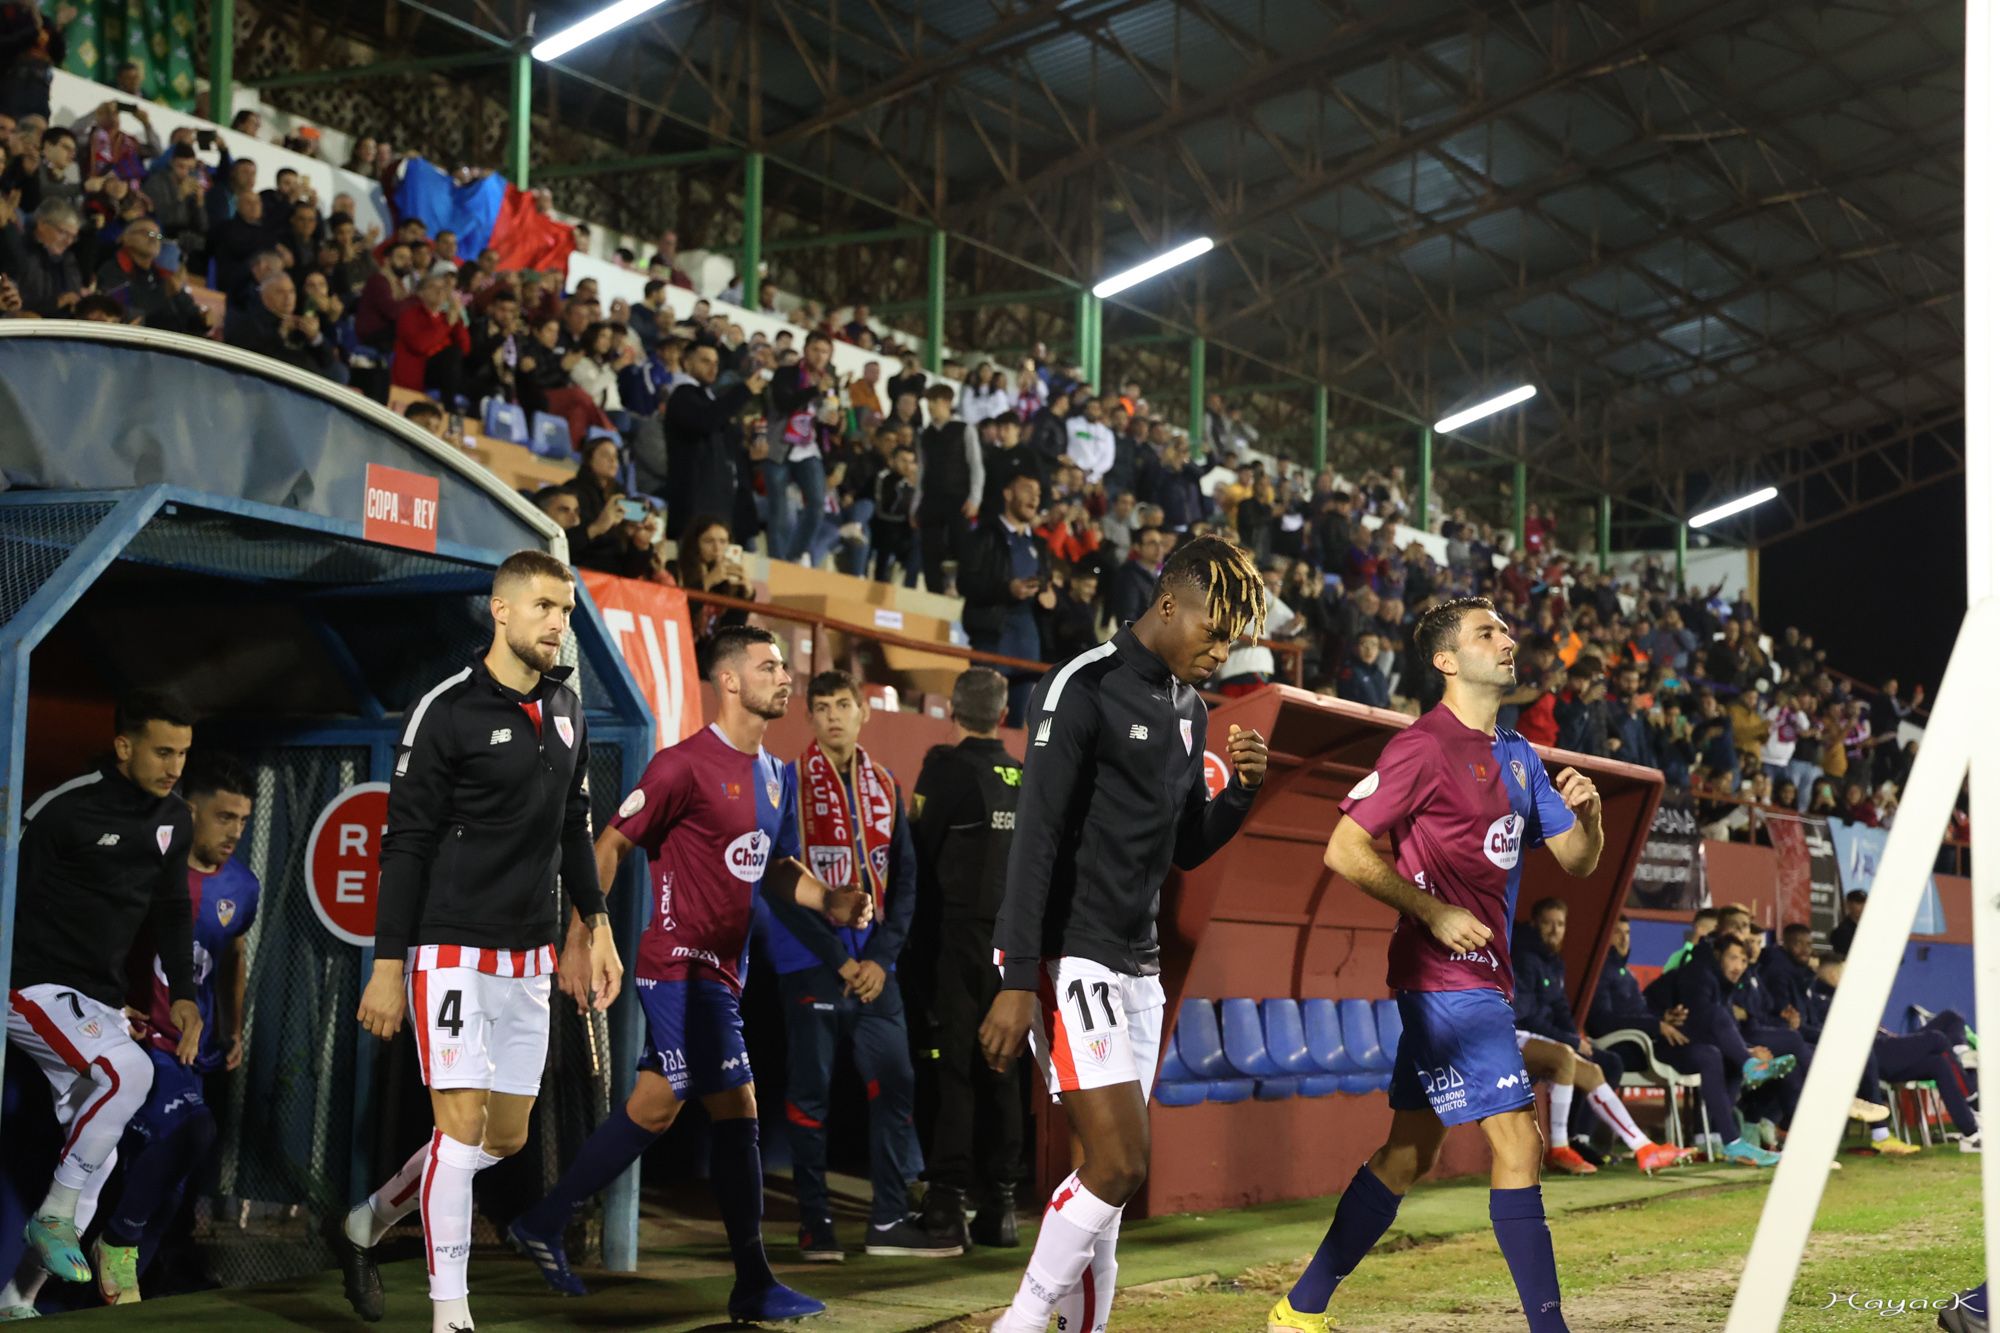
x=1610, y=1108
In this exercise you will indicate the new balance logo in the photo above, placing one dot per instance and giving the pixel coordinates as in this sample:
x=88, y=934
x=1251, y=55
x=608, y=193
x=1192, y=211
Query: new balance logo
x=108, y=840
x=500, y=736
x=1042, y=732
x=1138, y=732
x=1512, y=1080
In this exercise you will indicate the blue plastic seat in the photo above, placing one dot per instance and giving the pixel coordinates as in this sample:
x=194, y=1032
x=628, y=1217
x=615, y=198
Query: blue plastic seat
x=1319, y=1085
x=505, y=421
x=1321, y=1018
x=1389, y=1027
x=1180, y=1094
x=551, y=437
x=1285, y=1037
x=1199, y=1039
x=1364, y=1043
x=1356, y=1084
x=1173, y=1069
x=1276, y=1089
x=1243, y=1040
x=1231, y=1089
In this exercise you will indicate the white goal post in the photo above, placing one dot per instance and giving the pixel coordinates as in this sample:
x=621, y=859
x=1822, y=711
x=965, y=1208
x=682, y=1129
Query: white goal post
x=1962, y=725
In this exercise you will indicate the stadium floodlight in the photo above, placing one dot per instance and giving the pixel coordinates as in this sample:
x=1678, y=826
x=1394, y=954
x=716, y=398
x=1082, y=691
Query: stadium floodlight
x=1736, y=506
x=592, y=27
x=1480, y=411
x=1153, y=267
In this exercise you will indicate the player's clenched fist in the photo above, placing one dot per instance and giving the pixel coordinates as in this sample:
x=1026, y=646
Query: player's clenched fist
x=381, y=1009
x=1006, y=1027
x=1578, y=792
x=1247, y=755
x=1459, y=930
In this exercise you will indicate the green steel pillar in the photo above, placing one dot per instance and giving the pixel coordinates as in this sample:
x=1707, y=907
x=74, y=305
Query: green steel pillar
x=1520, y=504
x=934, y=305
x=1423, y=510
x=753, y=227
x=1083, y=300
x=1681, y=555
x=221, y=60
x=1319, y=427
x=1093, y=369
x=1603, y=534
x=520, y=102
x=1197, y=387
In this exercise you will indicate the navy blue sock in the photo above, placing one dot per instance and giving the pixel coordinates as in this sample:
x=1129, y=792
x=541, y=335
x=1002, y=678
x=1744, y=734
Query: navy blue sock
x=1365, y=1212
x=736, y=1174
x=154, y=1177
x=611, y=1147
x=1523, y=1232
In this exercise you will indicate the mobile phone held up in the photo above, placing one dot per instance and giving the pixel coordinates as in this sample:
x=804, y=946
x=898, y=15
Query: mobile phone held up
x=635, y=511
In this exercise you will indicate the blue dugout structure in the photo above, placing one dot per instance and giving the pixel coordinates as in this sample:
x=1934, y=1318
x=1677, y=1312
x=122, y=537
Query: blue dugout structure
x=178, y=513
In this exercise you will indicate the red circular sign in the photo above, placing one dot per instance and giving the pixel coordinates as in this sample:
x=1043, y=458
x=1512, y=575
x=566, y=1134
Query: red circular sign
x=1215, y=772
x=343, y=864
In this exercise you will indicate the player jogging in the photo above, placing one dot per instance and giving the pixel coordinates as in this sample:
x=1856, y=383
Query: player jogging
x=489, y=803
x=1113, y=796
x=715, y=817
x=101, y=856
x=1461, y=801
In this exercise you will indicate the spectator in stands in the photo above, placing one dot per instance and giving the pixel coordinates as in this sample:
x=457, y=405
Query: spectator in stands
x=430, y=417
x=146, y=290
x=40, y=263
x=1179, y=488
x=1842, y=939
x=234, y=242
x=894, y=531
x=1091, y=444
x=712, y=562
x=951, y=476
x=95, y=308
x=666, y=261
x=542, y=381
x=605, y=352
x=911, y=380
x=704, y=443
x=598, y=541
x=559, y=503
x=432, y=342
x=1004, y=577
x=178, y=194
x=1132, y=584
x=32, y=45
x=1360, y=679
x=273, y=327
x=797, y=456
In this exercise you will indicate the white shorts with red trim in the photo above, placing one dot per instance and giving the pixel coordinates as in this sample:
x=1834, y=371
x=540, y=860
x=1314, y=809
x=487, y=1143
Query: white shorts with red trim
x=99, y=1074
x=1096, y=1027
x=478, y=1029
x=493, y=962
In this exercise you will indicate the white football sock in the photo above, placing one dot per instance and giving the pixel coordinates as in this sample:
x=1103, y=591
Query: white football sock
x=1087, y=1308
x=1610, y=1108
x=368, y=1222
x=447, y=1209
x=1560, y=1095
x=447, y=1316
x=1876, y=1133
x=1063, y=1253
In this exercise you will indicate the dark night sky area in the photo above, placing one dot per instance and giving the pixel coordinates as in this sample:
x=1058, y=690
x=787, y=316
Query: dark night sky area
x=1882, y=590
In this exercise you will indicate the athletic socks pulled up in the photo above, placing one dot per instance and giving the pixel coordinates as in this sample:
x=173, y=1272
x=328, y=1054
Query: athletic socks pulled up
x=1561, y=1096
x=736, y=1174
x=1366, y=1211
x=370, y=1220
x=1609, y=1107
x=1523, y=1232
x=1063, y=1253
x=1087, y=1307
x=611, y=1147
x=447, y=1208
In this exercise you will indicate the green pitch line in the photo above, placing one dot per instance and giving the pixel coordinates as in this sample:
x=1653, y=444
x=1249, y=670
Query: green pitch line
x=684, y=1280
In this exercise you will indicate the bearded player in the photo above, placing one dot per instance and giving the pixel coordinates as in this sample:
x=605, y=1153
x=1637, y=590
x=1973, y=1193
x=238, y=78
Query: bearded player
x=716, y=818
x=489, y=804
x=1113, y=796
x=1460, y=800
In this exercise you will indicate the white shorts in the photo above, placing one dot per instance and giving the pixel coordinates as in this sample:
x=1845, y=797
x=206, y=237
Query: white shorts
x=68, y=1035
x=477, y=1030
x=1096, y=1027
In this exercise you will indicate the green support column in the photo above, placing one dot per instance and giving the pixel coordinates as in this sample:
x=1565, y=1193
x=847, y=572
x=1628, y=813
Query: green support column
x=1520, y=503
x=1197, y=387
x=934, y=305
x=753, y=227
x=1083, y=300
x=1093, y=367
x=221, y=60
x=1681, y=556
x=1603, y=534
x=520, y=101
x=1320, y=414
x=1424, y=445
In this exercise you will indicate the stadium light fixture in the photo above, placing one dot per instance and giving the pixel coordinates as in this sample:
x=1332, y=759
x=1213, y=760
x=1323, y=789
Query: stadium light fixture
x=1736, y=506
x=1480, y=411
x=1153, y=267
x=592, y=27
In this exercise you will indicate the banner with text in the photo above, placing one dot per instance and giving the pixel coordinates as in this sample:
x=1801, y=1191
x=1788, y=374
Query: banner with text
x=1672, y=875
x=1859, y=848
x=1808, y=873
x=652, y=627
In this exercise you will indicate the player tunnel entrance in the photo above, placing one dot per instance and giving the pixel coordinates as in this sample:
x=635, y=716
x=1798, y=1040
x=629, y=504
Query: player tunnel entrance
x=300, y=646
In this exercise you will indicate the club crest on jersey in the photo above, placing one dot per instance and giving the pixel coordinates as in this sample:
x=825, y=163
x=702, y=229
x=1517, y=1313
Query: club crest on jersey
x=1099, y=1048
x=164, y=835
x=1520, y=772
x=91, y=1029
x=775, y=790
x=567, y=731
x=447, y=1056
x=225, y=910
x=1365, y=788
x=1042, y=731
x=1187, y=734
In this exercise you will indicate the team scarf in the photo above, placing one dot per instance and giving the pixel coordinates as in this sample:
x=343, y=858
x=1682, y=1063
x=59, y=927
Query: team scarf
x=826, y=825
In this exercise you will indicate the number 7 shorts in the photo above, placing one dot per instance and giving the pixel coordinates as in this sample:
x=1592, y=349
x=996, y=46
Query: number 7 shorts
x=481, y=1016
x=1096, y=1027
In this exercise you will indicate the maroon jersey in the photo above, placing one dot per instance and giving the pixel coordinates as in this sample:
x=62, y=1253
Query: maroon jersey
x=710, y=818
x=1460, y=807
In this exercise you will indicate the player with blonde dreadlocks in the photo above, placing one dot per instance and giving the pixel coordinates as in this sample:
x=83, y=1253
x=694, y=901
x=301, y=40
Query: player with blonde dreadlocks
x=1113, y=796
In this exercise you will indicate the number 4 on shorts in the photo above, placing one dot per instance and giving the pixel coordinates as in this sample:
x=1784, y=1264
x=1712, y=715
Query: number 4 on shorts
x=450, y=1016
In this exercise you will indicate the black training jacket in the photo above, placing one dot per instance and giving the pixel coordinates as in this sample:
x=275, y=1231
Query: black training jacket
x=100, y=857
x=966, y=803
x=483, y=813
x=1111, y=797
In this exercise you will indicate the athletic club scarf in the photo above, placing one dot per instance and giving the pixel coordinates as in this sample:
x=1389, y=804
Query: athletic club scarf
x=826, y=826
